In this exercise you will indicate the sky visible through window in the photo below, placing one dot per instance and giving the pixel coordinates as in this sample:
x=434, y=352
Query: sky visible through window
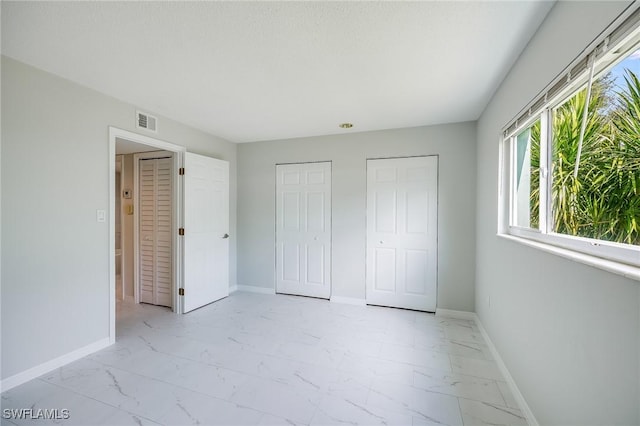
x=632, y=63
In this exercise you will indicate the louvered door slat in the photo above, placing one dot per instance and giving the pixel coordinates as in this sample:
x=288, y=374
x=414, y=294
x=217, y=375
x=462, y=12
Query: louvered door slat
x=155, y=221
x=163, y=231
x=147, y=203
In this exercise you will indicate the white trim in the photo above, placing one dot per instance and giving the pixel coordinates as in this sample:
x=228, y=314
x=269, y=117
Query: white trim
x=545, y=214
x=348, y=300
x=39, y=370
x=255, y=289
x=517, y=395
x=616, y=252
x=112, y=238
x=233, y=289
x=627, y=271
x=449, y=313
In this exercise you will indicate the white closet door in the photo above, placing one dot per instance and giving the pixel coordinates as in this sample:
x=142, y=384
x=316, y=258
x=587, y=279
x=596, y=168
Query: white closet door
x=155, y=192
x=402, y=239
x=303, y=229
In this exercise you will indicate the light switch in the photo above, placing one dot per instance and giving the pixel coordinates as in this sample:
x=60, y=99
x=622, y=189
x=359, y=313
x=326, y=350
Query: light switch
x=101, y=215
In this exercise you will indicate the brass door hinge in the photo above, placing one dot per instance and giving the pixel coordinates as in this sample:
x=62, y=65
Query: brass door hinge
x=181, y=231
x=181, y=291
x=181, y=171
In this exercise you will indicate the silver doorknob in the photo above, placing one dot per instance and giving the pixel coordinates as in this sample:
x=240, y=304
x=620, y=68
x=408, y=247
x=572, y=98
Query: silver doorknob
x=225, y=236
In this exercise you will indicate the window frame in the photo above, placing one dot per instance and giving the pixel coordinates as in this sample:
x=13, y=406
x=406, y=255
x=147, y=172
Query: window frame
x=626, y=254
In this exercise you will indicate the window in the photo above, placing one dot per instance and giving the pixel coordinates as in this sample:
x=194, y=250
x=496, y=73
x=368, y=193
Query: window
x=526, y=181
x=571, y=162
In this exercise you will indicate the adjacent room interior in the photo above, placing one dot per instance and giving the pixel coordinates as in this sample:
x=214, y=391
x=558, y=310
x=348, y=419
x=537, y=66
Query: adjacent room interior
x=316, y=213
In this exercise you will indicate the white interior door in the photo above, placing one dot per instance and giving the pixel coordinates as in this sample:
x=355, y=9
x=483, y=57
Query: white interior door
x=402, y=240
x=303, y=229
x=206, y=231
x=155, y=225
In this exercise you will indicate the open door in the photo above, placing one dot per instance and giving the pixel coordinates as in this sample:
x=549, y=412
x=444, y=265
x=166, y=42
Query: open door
x=206, y=231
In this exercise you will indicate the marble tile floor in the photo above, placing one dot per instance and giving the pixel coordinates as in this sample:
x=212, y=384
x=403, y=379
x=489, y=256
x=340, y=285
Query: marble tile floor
x=253, y=359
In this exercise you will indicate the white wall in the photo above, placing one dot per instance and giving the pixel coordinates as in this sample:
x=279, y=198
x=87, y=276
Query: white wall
x=55, y=171
x=455, y=145
x=568, y=333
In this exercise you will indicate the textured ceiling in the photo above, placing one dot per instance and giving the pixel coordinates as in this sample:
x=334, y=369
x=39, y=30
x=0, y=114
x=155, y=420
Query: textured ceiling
x=250, y=71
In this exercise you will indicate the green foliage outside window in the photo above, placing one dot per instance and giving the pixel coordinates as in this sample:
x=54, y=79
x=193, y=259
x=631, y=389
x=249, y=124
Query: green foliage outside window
x=603, y=200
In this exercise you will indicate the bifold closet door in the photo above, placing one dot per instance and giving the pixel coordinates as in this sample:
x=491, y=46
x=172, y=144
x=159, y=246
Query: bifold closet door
x=155, y=251
x=402, y=237
x=303, y=229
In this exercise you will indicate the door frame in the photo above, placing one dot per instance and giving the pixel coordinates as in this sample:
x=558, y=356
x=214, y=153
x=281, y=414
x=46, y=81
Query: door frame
x=136, y=218
x=178, y=160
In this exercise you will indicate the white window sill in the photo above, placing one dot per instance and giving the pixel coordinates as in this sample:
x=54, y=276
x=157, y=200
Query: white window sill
x=627, y=271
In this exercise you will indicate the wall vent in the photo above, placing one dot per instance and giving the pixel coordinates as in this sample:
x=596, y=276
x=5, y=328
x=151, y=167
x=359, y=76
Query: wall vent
x=146, y=121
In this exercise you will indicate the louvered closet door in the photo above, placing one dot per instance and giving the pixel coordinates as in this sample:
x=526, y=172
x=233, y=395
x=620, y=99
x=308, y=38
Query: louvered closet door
x=155, y=191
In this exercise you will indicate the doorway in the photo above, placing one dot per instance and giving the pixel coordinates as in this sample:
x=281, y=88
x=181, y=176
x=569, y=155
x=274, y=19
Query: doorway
x=402, y=232
x=303, y=229
x=125, y=143
x=198, y=241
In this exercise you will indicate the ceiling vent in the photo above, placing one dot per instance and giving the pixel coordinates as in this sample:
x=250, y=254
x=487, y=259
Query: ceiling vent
x=146, y=121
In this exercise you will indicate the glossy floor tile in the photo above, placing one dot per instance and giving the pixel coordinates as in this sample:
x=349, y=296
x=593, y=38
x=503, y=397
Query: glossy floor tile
x=254, y=359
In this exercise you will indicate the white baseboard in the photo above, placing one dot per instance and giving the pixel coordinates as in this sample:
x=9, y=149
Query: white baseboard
x=254, y=289
x=348, y=300
x=517, y=395
x=39, y=370
x=449, y=313
x=522, y=403
x=233, y=289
